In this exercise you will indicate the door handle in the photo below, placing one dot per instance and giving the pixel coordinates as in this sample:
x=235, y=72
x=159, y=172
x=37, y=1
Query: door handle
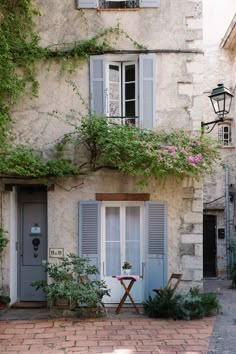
x=103, y=270
x=143, y=266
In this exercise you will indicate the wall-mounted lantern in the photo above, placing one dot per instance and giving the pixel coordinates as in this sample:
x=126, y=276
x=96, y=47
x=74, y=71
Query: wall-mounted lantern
x=221, y=99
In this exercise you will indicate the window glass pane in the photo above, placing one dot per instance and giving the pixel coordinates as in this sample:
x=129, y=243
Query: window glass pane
x=114, y=92
x=130, y=91
x=132, y=245
x=130, y=109
x=129, y=73
x=114, y=73
x=112, y=241
x=112, y=224
x=114, y=109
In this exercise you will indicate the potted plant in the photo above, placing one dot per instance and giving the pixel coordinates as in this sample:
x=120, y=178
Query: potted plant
x=127, y=268
x=67, y=286
x=4, y=301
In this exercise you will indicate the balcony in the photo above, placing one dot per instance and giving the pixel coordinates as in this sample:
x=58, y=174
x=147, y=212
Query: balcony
x=104, y=4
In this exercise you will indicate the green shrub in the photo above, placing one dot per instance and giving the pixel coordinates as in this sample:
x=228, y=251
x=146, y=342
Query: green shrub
x=188, y=306
x=67, y=283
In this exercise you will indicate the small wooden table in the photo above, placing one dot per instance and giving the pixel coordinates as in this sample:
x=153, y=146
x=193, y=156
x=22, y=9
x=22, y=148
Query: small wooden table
x=132, y=280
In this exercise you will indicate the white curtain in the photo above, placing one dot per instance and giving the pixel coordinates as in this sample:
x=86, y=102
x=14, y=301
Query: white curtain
x=132, y=243
x=113, y=246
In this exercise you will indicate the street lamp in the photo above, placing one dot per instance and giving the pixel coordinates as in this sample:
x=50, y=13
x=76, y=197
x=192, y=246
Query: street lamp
x=221, y=99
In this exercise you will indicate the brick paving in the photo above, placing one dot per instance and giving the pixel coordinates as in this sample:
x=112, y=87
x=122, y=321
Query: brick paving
x=108, y=335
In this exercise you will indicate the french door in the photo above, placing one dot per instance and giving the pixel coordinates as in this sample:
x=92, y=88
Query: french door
x=122, y=240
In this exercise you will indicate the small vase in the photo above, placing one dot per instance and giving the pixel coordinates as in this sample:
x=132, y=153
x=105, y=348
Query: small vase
x=127, y=271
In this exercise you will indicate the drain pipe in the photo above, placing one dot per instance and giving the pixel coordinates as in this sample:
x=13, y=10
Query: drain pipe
x=227, y=221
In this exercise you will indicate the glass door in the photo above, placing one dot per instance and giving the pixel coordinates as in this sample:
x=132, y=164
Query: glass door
x=122, y=240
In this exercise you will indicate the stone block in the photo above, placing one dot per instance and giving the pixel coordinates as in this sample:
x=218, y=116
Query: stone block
x=185, y=89
x=187, y=275
x=193, y=23
x=192, y=217
x=187, y=249
x=193, y=35
x=197, y=205
x=191, y=238
x=198, y=250
x=192, y=262
x=188, y=192
x=197, y=275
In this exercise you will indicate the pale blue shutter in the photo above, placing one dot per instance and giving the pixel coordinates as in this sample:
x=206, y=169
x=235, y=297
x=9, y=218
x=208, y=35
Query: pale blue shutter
x=86, y=4
x=149, y=3
x=97, y=85
x=147, y=90
x=155, y=275
x=90, y=231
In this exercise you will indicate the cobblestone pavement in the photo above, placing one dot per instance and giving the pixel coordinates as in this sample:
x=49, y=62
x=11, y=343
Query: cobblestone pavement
x=115, y=336
x=223, y=339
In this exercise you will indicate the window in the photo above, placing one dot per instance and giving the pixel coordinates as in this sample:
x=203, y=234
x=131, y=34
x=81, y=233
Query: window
x=122, y=92
x=224, y=134
x=112, y=4
x=123, y=88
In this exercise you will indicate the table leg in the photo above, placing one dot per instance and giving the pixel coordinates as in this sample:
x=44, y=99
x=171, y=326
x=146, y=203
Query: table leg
x=127, y=294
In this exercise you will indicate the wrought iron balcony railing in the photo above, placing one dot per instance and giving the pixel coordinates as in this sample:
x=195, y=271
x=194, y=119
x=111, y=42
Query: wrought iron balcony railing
x=132, y=121
x=104, y=4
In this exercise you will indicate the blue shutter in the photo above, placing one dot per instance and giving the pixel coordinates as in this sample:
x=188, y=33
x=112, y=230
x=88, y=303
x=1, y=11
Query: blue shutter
x=86, y=4
x=149, y=3
x=97, y=85
x=90, y=231
x=156, y=246
x=147, y=90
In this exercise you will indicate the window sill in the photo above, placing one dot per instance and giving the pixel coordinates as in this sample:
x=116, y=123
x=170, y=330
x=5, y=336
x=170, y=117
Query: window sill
x=232, y=146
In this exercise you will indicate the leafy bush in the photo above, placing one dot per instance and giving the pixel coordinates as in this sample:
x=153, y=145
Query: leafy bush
x=71, y=282
x=188, y=306
x=144, y=153
x=4, y=299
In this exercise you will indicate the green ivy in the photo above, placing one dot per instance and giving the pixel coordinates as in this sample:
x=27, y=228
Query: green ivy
x=20, y=51
x=24, y=161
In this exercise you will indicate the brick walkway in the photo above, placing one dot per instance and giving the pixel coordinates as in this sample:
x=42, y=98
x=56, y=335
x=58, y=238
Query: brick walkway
x=114, y=336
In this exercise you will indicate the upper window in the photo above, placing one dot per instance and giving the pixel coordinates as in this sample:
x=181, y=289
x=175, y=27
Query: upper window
x=122, y=91
x=114, y=4
x=224, y=134
x=123, y=88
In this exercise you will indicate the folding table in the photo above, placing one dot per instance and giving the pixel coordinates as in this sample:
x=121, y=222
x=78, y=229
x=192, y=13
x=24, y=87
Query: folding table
x=132, y=279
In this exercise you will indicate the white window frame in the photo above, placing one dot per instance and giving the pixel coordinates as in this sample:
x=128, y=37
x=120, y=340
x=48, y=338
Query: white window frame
x=221, y=134
x=122, y=61
x=122, y=206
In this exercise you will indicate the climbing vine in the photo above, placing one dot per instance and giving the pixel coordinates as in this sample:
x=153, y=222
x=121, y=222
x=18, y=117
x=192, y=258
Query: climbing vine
x=20, y=51
x=133, y=151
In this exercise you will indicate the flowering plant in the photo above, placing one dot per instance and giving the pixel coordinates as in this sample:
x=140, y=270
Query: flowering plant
x=145, y=153
x=126, y=265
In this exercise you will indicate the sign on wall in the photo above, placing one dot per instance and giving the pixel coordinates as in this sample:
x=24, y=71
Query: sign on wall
x=56, y=252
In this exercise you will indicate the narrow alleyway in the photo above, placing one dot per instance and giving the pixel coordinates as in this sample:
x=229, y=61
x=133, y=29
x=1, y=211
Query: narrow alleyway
x=223, y=339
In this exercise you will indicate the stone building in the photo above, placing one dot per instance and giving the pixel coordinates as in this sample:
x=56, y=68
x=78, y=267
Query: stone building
x=94, y=215
x=219, y=189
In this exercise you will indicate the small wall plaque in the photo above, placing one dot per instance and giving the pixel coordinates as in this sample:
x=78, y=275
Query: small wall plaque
x=221, y=233
x=56, y=252
x=35, y=230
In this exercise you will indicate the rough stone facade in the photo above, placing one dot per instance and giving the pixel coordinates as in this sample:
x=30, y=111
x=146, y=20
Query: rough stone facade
x=220, y=64
x=174, y=32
